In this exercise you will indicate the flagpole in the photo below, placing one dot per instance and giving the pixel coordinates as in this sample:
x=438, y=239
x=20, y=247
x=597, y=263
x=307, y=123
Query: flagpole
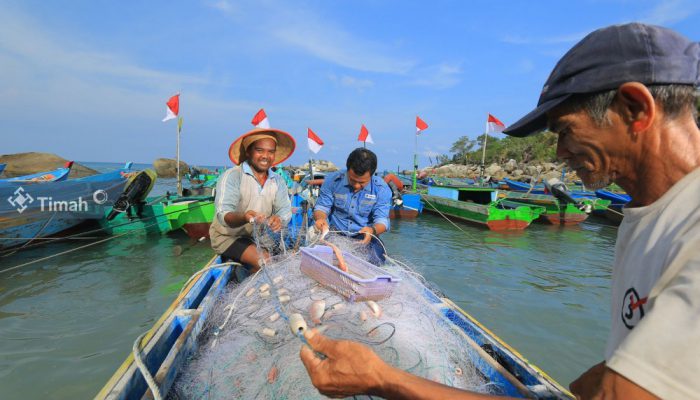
x=483, y=150
x=179, y=179
x=415, y=163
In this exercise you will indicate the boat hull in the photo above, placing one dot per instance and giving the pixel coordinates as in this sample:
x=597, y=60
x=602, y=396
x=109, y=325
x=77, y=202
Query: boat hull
x=42, y=209
x=491, y=216
x=411, y=207
x=173, y=339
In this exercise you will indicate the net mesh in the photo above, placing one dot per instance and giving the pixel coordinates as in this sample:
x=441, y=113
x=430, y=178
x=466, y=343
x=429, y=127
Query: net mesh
x=247, y=349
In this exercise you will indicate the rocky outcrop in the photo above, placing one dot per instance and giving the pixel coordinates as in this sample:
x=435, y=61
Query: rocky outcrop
x=510, y=169
x=167, y=167
x=319, y=166
x=31, y=163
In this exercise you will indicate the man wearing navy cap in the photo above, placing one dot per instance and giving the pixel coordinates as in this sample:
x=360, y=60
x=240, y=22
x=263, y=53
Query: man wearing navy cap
x=623, y=104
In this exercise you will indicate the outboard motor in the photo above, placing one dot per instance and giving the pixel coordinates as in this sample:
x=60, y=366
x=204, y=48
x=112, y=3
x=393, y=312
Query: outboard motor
x=396, y=187
x=137, y=188
x=562, y=193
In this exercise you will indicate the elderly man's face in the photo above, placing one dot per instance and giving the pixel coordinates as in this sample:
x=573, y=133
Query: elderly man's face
x=261, y=154
x=592, y=151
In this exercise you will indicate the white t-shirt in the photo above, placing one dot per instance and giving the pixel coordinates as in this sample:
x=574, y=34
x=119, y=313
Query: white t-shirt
x=655, y=333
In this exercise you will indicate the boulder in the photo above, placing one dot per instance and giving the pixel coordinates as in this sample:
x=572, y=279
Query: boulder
x=550, y=175
x=517, y=173
x=510, y=166
x=533, y=170
x=31, y=163
x=166, y=167
x=549, y=166
x=492, y=169
x=320, y=166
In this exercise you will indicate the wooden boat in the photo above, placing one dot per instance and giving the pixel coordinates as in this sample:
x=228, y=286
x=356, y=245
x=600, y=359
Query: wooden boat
x=617, y=202
x=39, y=210
x=57, y=175
x=556, y=212
x=193, y=214
x=481, y=206
x=410, y=207
x=174, y=338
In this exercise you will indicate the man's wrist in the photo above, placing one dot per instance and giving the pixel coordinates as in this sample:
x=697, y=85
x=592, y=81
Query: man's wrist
x=374, y=230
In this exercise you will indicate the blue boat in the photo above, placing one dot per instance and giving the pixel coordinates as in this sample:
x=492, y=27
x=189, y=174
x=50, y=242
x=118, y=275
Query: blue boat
x=540, y=189
x=32, y=211
x=57, y=175
x=167, y=347
x=616, y=199
x=2, y=168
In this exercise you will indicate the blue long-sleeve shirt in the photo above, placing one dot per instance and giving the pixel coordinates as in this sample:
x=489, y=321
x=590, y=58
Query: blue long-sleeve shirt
x=351, y=211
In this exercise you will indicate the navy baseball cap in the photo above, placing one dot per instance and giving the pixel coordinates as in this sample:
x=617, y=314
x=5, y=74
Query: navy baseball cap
x=609, y=57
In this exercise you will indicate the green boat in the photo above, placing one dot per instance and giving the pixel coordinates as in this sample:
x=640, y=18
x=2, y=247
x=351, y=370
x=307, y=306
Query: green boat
x=557, y=212
x=193, y=214
x=481, y=206
x=148, y=217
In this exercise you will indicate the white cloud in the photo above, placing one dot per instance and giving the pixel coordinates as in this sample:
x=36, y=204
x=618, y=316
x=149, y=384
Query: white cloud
x=558, y=39
x=441, y=76
x=671, y=11
x=318, y=36
x=352, y=82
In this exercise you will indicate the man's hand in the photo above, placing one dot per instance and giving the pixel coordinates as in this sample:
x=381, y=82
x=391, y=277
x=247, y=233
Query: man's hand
x=349, y=368
x=321, y=224
x=368, y=231
x=588, y=385
x=275, y=223
x=254, y=215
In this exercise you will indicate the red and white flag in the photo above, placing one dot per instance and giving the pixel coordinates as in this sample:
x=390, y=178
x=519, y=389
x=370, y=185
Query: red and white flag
x=315, y=142
x=260, y=120
x=173, y=108
x=493, y=124
x=364, y=135
x=420, y=125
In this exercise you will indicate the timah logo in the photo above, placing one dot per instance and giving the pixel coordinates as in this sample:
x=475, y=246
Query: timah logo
x=21, y=200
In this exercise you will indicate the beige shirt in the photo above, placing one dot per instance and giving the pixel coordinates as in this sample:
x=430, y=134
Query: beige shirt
x=238, y=190
x=655, y=331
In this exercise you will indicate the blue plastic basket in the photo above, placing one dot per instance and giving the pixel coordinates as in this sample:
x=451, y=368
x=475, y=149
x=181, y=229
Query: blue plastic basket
x=362, y=282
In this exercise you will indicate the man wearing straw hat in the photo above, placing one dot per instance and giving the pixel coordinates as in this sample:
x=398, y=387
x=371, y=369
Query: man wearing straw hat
x=251, y=192
x=622, y=101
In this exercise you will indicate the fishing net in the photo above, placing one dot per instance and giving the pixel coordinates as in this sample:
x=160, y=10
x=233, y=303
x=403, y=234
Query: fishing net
x=247, y=349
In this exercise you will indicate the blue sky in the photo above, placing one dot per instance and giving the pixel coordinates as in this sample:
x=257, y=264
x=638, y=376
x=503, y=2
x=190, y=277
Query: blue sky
x=88, y=80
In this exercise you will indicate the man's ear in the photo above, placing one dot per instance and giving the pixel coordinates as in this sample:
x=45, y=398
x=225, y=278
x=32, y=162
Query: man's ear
x=637, y=106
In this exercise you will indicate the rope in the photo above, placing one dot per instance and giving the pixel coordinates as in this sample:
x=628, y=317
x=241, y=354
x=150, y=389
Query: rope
x=144, y=370
x=443, y=215
x=3, y=253
x=67, y=251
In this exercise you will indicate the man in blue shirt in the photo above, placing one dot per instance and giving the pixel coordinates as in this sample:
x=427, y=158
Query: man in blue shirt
x=356, y=202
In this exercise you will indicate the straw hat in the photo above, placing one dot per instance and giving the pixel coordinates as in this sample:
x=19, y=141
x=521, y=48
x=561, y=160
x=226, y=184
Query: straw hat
x=285, y=144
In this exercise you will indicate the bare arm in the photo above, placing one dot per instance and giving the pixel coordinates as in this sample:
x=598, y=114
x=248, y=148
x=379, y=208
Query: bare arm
x=352, y=368
x=321, y=220
x=234, y=219
x=601, y=382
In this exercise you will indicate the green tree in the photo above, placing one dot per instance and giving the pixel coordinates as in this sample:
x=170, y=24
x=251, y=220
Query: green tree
x=461, y=149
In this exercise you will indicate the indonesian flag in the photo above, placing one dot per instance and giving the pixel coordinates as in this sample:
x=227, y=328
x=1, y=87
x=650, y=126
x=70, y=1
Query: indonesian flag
x=493, y=124
x=173, y=108
x=420, y=125
x=364, y=135
x=315, y=142
x=260, y=120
